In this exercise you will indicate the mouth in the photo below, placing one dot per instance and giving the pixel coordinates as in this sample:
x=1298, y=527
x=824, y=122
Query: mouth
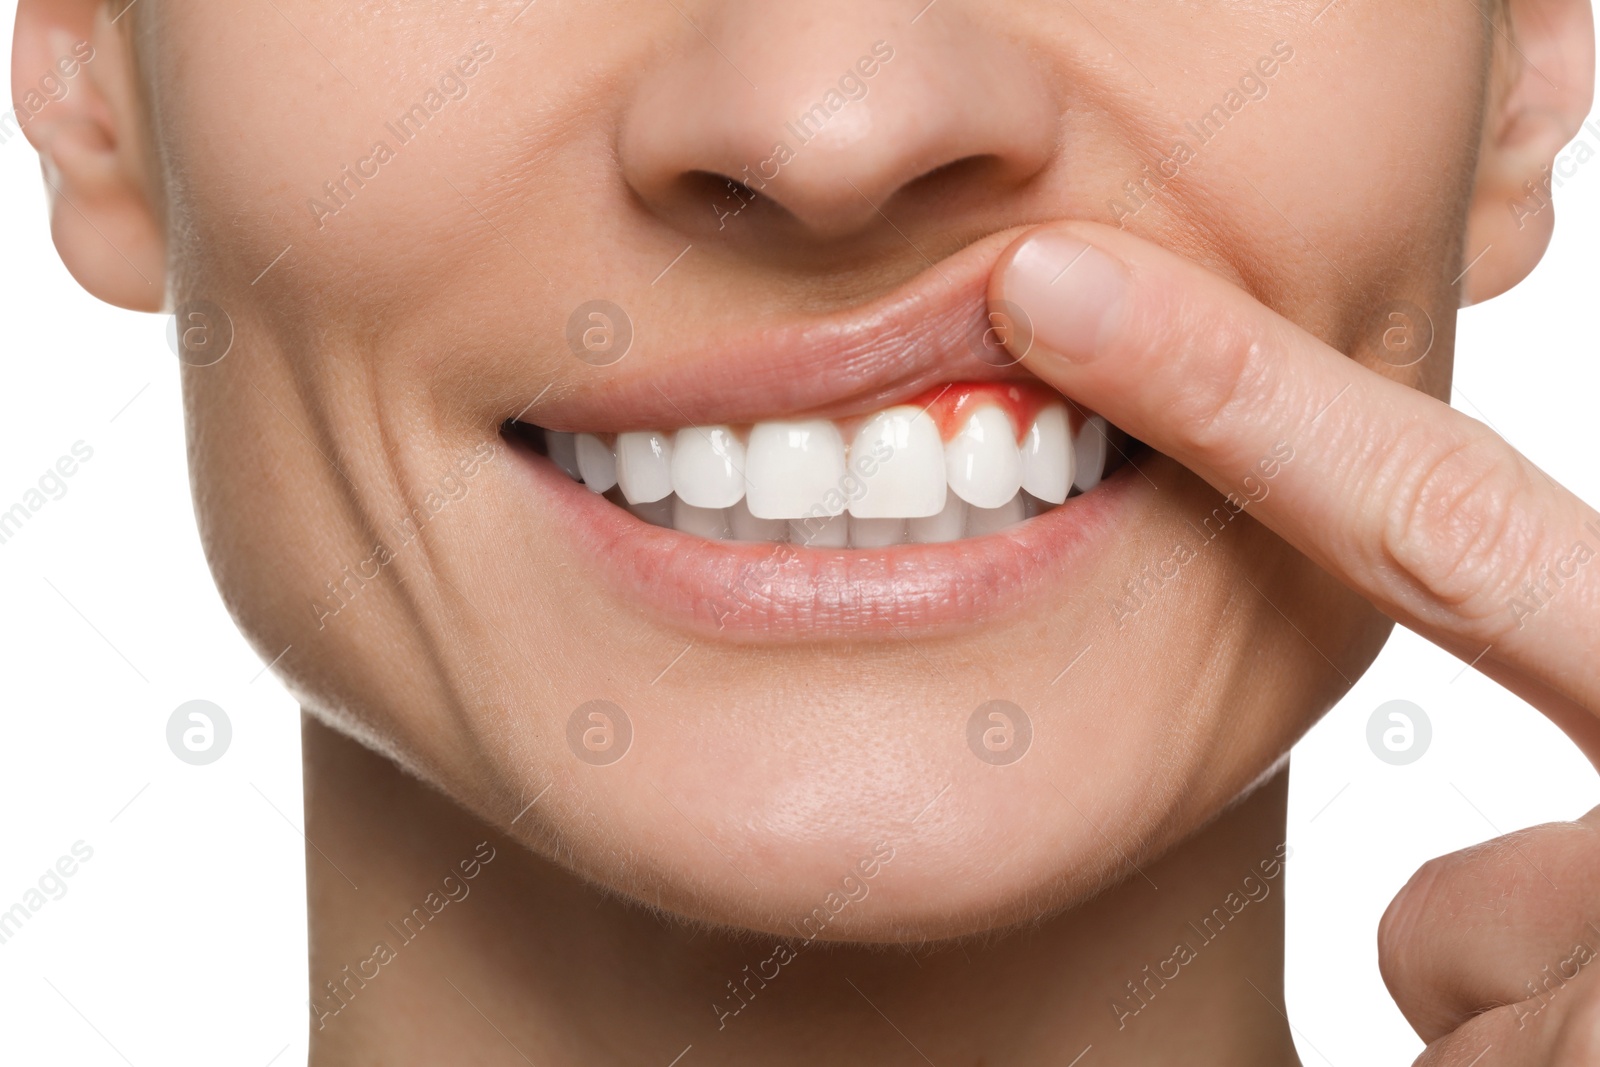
x=963, y=460
x=887, y=470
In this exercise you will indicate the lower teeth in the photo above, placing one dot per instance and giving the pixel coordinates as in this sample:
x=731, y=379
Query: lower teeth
x=958, y=520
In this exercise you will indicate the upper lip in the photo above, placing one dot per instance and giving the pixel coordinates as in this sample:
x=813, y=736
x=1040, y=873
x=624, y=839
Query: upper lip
x=848, y=362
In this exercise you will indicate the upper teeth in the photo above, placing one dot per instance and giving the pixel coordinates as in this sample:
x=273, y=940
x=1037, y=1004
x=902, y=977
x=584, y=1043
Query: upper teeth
x=644, y=466
x=791, y=469
x=1049, y=456
x=597, y=463
x=910, y=483
x=982, y=460
x=897, y=479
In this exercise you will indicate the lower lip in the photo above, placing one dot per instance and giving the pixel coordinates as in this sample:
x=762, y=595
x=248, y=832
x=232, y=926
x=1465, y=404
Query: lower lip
x=775, y=593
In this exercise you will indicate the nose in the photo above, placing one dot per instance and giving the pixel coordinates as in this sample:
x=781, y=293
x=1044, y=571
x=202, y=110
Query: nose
x=830, y=110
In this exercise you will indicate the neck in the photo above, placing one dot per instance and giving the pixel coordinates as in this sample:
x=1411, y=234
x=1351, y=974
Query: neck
x=512, y=960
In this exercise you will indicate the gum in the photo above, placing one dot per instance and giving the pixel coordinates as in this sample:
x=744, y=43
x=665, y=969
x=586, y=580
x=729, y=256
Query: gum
x=949, y=405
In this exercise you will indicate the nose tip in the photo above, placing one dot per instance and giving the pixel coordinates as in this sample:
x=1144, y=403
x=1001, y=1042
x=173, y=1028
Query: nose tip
x=829, y=116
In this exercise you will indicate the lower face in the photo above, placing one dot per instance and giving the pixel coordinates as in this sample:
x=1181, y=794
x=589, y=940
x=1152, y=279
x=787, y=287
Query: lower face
x=811, y=572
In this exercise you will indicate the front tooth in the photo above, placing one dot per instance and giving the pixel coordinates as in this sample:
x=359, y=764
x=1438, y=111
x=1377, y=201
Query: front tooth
x=1090, y=447
x=644, y=466
x=821, y=531
x=949, y=525
x=710, y=523
x=563, y=450
x=982, y=461
x=746, y=527
x=708, y=466
x=1048, y=456
x=982, y=521
x=876, y=533
x=909, y=479
x=794, y=468
x=597, y=464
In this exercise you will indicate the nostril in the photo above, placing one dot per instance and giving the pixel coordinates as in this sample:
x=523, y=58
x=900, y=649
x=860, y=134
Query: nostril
x=820, y=155
x=979, y=172
x=719, y=190
x=712, y=203
x=724, y=185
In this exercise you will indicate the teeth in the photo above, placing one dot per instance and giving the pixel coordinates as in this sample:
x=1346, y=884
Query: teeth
x=821, y=531
x=708, y=466
x=876, y=533
x=644, y=466
x=710, y=523
x=563, y=449
x=791, y=483
x=793, y=469
x=982, y=461
x=949, y=525
x=982, y=521
x=909, y=479
x=597, y=464
x=1048, y=456
x=746, y=527
x=1090, y=448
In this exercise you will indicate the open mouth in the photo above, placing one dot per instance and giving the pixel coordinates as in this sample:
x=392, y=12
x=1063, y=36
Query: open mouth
x=879, y=472
x=959, y=461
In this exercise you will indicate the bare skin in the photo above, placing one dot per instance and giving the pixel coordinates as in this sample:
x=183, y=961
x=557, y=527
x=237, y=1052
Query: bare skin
x=385, y=330
x=531, y=963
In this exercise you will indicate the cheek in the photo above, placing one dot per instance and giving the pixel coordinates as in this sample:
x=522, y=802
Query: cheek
x=1360, y=151
x=357, y=161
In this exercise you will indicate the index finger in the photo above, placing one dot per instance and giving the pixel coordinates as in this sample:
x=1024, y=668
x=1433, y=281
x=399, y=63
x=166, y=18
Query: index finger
x=1424, y=511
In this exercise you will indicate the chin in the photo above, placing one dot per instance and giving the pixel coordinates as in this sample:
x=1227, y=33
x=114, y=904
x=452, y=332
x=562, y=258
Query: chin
x=920, y=642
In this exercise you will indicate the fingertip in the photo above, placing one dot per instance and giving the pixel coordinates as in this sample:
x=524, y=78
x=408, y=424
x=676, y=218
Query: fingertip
x=1070, y=292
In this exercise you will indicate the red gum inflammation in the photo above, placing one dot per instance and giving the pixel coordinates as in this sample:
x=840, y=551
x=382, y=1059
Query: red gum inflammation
x=950, y=405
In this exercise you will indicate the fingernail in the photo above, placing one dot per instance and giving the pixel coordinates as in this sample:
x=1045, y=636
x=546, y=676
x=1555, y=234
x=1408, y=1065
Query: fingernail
x=1072, y=292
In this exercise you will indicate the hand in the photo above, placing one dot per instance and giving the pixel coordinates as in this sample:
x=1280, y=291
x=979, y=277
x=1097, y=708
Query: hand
x=1498, y=946
x=1440, y=523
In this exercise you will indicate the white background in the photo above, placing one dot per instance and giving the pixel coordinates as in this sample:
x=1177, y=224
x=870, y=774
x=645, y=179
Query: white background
x=183, y=939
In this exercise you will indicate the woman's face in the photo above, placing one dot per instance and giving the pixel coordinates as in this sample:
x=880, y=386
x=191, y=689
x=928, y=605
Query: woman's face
x=425, y=220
